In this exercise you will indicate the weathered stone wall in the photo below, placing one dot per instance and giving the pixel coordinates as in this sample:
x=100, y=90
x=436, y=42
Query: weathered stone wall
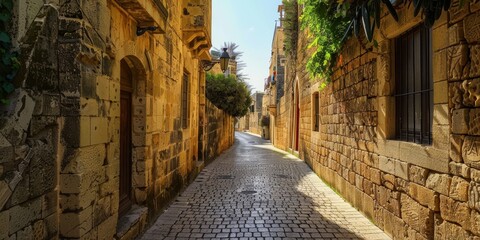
x=220, y=131
x=29, y=131
x=409, y=190
x=60, y=136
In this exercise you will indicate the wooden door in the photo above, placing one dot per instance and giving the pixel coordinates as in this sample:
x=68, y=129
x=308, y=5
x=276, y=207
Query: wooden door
x=125, y=139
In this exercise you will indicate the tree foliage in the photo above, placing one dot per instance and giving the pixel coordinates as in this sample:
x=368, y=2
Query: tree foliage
x=9, y=63
x=228, y=94
x=290, y=26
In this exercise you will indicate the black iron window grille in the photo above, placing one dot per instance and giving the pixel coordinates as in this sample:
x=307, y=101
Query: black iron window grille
x=413, y=86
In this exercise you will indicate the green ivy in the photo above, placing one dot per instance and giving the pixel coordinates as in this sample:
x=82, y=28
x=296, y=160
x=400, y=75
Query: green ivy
x=290, y=26
x=9, y=63
x=228, y=94
x=329, y=22
x=325, y=24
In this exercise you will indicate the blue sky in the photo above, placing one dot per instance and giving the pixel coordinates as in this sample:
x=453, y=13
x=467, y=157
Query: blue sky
x=249, y=24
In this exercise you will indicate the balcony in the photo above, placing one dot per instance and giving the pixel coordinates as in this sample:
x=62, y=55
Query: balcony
x=196, y=27
x=147, y=13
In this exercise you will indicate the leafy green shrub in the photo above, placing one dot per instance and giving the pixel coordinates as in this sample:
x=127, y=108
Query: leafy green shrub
x=9, y=64
x=228, y=94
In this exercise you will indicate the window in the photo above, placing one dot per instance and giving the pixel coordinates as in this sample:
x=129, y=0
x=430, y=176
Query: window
x=413, y=86
x=185, y=103
x=316, y=112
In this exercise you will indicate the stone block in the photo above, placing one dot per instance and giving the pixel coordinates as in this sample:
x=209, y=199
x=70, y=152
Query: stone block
x=440, y=93
x=99, y=130
x=471, y=25
x=49, y=203
x=114, y=110
x=6, y=150
x=455, y=34
x=457, y=12
x=440, y=73
x=22, y=215
x=424, y=196
x=471, y=151
x=114, y=129
x=88, y=107
x=416, y=216
x=418, y=175
x=25, y=233
x=476, y=223
x=460, y=119
x=102, y=210
x=51, y=105
x=114, y=91
x=456, y=142
x=103, y=87
x=448, y=230
x=388, y=199
x=474, y=174
x=79, y=183
x=108, y=228
x=84, y=159
x=75, y=202
x=439, y=183
x=453, y=211
x=77, y=131
x=51, y=226
x=440, y=111
x=5, y=193
x=38, y=229
x=4, y=219
x=474, y=195
x=76, y=224
x=474, y=121
x=113, y=153
x=459, y=189
x=393, y=225
x=457, y=60
x=440, y=41
x=474, y=61
x=471, y=92
x=17, y=117
x=459, y=169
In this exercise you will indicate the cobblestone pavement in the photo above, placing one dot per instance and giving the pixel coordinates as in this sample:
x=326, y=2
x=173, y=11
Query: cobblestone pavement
x=255, y=191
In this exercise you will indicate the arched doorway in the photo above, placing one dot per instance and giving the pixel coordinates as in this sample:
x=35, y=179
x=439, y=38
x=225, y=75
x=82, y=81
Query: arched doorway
x=297, y=118
x=126, y=91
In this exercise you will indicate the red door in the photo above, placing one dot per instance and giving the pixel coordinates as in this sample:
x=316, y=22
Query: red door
x=125, y=139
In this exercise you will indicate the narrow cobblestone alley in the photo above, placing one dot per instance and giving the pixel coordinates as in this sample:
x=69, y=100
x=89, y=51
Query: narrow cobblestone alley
x=257, y=191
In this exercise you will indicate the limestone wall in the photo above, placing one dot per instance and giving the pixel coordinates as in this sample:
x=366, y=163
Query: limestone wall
x=220, y=131
x=60, y=135
x=411, y=191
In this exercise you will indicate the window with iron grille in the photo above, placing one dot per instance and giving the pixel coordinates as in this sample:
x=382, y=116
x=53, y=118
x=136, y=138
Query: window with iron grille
x=413, y=86
x=316, y=112
x=185, y=103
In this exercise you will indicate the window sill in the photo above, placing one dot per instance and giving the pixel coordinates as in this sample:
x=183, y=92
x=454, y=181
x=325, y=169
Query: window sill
x=424, y=156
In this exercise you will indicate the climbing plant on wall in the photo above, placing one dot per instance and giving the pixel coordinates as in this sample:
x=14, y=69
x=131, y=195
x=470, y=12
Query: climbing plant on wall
x=290, y=26
x=9, y=63
x=329, y=22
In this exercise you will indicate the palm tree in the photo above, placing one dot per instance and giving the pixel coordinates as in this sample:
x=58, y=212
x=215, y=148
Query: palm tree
x=234, y=55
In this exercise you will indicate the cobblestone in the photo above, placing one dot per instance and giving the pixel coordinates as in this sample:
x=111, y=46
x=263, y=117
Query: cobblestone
x=255, y=191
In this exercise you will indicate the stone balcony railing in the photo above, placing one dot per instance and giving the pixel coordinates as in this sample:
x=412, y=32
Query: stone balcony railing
x=147, y=13
x=196, y=27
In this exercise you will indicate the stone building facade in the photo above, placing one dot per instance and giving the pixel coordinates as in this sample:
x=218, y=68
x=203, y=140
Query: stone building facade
x=410, y=190
x=109, y=120
x=251, y=121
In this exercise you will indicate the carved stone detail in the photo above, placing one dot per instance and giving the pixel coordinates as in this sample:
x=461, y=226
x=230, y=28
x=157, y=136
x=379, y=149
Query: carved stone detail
x=472, y=27
x=457, y=60
x=471, y=151
x=471, y=93
x=475, y=60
